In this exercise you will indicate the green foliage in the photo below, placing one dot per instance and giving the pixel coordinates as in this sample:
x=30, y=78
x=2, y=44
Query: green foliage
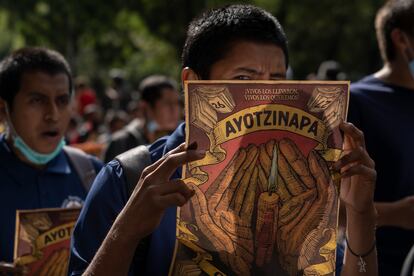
x=8, y=39
x=146, y=36
x=339, y=30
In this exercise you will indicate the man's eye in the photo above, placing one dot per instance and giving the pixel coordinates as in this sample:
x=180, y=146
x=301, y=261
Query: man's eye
x=63, y=101
x=243, y=77
x=35, y=100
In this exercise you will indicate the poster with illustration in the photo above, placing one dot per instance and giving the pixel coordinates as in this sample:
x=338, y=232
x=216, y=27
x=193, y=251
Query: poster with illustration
x=266, y=201
x=42, y=240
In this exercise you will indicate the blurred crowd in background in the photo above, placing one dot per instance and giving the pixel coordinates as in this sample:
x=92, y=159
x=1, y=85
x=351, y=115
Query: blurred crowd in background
x=126, y=70
x=141, y=114
x=145, y=113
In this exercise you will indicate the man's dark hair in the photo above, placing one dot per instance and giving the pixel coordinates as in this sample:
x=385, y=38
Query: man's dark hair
x=394, y=14
x=211, y=35
x=152, y=86
x=28, y=60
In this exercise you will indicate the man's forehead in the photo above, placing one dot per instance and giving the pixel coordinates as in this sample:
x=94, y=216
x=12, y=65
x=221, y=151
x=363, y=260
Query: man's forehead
x=45, y=78
x=41, y=73
x=251, y=57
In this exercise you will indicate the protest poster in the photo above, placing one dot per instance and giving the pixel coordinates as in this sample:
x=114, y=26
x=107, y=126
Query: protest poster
x=266, y=201
x=42, y=240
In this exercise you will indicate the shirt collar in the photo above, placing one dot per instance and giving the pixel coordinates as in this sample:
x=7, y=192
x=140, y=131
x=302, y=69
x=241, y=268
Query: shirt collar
x=173, y=141
x=59, y=164
x=176, y=138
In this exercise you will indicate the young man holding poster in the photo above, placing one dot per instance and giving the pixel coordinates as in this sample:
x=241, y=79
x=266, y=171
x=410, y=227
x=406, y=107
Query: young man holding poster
x=236, y=42
x=36, y=170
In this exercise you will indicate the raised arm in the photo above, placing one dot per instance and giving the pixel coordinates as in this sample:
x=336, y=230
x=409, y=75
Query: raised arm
x=153, y=194
x=357, y=194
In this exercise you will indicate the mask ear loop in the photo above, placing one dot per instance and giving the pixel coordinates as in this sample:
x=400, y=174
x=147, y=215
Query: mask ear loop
x=9, y=128
x=409, y=52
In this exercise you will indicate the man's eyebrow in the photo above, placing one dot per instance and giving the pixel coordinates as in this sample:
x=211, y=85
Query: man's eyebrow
x=248, y=70
x=37, y=94
x=256, y=72
x=278, y=75
x=42, y=95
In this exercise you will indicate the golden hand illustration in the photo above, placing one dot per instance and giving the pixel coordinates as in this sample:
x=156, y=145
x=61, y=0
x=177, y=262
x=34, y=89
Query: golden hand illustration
x=224, y=212
x=56, y=265
x=306, y=204
x=295, y=200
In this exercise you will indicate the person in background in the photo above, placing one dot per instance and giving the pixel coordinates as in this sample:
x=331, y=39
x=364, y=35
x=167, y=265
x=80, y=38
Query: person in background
x=161, y=109
x=36, y=169
x=114, y=120
x=136, y=109
x=84, y=95
x=382, y=107
x=118, y=94
x=330, y=70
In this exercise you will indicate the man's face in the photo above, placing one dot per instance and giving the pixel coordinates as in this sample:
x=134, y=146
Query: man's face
x=250, y=61
x=41, y=111
x=166, y=112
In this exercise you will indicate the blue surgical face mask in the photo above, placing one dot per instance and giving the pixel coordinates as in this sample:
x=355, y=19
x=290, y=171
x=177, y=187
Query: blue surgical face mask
x=30, y=154
x=411, y=65
x=152, y=126
x=34, y=156
x=410, y=55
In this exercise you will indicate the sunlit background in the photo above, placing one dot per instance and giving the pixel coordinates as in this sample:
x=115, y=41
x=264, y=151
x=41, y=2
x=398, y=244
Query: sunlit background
x=146, y=36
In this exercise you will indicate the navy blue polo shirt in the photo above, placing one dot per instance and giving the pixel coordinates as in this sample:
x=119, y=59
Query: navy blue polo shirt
x=385, y=113
x=24, y=187
x=105, y=201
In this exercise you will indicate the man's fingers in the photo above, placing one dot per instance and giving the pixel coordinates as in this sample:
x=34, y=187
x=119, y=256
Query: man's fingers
x=175, y=160
x=356, y=135
x=173, y=193
x=152, y=167
x=173, y=186
x=362, y=170
x=169, y=200
x=12, y=269
x=359, y=155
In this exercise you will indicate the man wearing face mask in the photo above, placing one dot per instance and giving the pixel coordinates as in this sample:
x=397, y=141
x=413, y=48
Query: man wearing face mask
x=382, y=107
x=36, y=169
x=160, y=102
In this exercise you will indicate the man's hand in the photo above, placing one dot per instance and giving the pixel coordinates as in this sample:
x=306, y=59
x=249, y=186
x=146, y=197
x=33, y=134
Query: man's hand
x=357, y=171
x=358, y=178
x=155, y=192
x=12, y=269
